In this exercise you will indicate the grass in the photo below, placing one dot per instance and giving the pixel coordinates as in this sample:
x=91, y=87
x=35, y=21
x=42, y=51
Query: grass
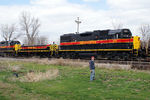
x=73, y=83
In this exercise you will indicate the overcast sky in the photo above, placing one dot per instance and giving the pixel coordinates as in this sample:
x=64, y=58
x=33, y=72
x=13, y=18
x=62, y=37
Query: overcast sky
x=57, y=16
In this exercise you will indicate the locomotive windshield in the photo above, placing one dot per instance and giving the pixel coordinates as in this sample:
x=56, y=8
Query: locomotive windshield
x=120, y=33
x=126, y=33
x=14, y=42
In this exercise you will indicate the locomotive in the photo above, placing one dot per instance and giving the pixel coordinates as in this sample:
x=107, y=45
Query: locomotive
x=109, y=44
x=7, y=48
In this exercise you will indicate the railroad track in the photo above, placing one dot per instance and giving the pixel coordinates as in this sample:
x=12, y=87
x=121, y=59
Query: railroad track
x=142, y=65
x=138, y=64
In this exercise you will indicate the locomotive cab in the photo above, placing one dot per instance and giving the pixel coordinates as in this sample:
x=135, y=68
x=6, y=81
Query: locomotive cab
x=3, y=43
x=7, y=43
x=120, y=33
x=14, y=42
x=126, y=33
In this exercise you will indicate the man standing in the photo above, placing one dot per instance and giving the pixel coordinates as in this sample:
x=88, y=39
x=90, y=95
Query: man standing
x=92, y=68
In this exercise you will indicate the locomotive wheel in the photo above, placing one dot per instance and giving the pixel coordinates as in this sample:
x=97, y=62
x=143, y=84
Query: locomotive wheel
x=73, y=56
x=64, y=56
x=126, y=57
x=116, y=58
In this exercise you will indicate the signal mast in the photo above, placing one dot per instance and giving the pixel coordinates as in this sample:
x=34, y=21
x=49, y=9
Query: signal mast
x=78, y=22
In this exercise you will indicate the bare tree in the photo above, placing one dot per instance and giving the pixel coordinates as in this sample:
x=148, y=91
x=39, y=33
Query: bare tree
x=30, y=26
x=25, y=41
x=145, y=32
x=58, y=41
x=42, y=40
x=116, y=24
x=9, y=32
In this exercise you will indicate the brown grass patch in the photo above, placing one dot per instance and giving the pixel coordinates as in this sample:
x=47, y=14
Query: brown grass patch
x=5, y=66
x=2, y=68
x=39, y=76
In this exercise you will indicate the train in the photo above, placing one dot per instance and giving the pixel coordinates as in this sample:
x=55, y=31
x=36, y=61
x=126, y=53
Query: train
x=117, y=44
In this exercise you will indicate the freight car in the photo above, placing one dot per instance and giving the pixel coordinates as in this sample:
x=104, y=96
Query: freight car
x=111, y=44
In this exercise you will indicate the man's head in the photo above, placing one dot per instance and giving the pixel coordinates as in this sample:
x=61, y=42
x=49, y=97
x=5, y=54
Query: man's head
x=92, y=58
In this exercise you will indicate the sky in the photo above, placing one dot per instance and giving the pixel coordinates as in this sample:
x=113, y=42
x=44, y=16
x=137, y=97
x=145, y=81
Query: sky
x=58, y=17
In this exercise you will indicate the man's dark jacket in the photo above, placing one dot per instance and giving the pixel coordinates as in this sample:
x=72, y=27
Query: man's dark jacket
x=92, y=65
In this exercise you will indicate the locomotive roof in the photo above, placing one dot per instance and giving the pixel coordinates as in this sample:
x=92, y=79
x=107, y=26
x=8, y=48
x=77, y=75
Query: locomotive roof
x=68, y=34
x=9, y=41
x=110, y=32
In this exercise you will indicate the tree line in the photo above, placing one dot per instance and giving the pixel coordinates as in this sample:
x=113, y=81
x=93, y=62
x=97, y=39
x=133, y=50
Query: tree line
x=28, y=27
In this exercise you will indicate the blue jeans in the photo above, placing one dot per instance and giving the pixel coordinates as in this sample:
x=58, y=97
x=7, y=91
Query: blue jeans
x=92, y=76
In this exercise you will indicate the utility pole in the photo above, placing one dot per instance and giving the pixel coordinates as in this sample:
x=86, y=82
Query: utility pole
x=78, y=22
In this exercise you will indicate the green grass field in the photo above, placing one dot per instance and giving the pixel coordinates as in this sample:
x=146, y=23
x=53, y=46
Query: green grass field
x=73, y=83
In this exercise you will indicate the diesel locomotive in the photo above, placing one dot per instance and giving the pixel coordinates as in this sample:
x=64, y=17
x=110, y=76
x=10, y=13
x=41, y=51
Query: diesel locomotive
x=7, y=48
x=109, y=44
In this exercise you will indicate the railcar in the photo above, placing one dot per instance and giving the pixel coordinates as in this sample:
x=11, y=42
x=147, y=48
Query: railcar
x=7, y=48
x=14, y=48
x=49, y=50
x=101, y=44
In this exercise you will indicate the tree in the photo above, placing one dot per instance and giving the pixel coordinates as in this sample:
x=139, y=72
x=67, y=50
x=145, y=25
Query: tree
x=58, y=41
x=25, y=41
x=145, y=32
x=9, y=32
x=42, y=40
x=116, y=24
x=30, y=26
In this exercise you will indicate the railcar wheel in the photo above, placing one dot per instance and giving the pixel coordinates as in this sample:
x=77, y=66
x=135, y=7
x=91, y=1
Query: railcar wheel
x=116, y=58
x=64, y=56
x=126, y=57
